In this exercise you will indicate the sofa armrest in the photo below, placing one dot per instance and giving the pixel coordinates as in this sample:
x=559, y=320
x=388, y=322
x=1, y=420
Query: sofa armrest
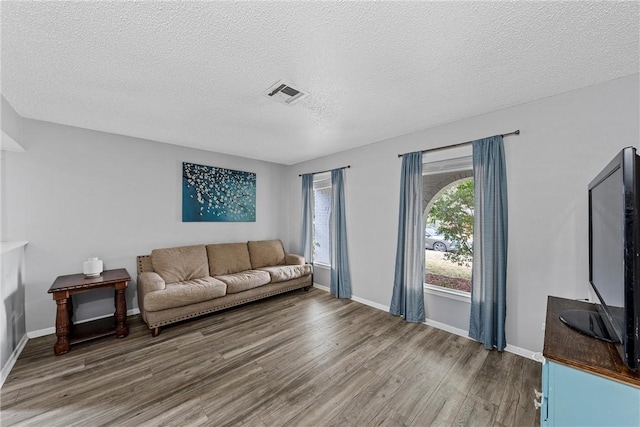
x=149, y=282
x=293, y=259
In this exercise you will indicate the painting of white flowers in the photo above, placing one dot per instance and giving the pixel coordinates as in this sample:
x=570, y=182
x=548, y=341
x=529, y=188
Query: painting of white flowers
x=217, y=194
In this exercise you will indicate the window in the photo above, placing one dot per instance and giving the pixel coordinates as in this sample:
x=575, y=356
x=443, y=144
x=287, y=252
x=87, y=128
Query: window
x=321, y=216
x=448, y=211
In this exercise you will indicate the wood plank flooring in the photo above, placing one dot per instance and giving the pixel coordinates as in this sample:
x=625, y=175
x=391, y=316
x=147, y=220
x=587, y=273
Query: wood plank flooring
x=299, y=359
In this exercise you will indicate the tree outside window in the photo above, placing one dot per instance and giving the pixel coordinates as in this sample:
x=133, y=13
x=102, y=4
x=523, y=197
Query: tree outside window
x=451, y=216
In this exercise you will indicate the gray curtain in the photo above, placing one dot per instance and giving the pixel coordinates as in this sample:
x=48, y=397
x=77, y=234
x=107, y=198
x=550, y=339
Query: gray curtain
x=340, y=276
x=408, y=294
x=489, y=277
x=306, y=239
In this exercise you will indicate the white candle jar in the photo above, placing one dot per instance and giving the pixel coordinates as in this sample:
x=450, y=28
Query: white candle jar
x=92, y=267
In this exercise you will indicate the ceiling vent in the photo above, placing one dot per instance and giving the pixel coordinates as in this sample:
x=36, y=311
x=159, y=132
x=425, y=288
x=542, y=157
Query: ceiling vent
x=284, y=93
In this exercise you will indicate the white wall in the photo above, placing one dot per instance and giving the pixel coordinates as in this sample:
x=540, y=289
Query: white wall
x=565, y=141
x=77, y=193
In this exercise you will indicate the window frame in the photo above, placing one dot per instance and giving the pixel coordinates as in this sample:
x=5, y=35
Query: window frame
x=460, y=159
x=320, y=178
x=440, y=291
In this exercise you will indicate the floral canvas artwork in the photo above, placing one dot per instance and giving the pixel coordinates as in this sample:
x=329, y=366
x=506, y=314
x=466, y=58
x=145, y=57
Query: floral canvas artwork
x=217, y=194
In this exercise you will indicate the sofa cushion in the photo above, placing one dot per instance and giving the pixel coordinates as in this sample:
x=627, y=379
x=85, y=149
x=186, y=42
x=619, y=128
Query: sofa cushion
x=283, y=273
x=180, y=264
x=265, y=253
x=244, y=280
x=184, y=293
x=228, y=258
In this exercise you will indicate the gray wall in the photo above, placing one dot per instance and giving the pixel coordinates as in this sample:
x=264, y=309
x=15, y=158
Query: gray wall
x=11, y=124
x=565, y=141
x=77, y=193
x=12, y=267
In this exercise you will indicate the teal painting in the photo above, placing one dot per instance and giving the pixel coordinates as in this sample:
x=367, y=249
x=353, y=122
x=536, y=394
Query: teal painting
x=211, y=194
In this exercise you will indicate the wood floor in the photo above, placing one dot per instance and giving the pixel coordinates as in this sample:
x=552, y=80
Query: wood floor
x=299, y=359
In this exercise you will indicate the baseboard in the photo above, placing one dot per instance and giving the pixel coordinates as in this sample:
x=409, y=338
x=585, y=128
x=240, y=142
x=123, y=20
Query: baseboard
x=533, y=355
x=510, y=348
x=451, y=329
x=448, y=328
x=6, y=369
x=384, y=308
x=41, y=332
x=357, y=299
x=322, y=288
x=52, y=330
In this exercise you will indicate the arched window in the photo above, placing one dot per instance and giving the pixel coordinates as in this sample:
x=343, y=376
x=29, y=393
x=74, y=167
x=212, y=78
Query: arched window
x=448, y=213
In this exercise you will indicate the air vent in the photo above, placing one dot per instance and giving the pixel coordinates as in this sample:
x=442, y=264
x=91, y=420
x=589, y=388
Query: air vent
x=284, y=93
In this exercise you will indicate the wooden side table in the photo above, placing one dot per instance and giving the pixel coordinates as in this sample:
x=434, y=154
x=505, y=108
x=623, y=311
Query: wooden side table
x=64, y=287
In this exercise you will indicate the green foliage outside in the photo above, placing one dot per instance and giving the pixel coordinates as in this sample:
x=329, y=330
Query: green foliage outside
x=453, y=211
x=440, y=272
x=436, y=264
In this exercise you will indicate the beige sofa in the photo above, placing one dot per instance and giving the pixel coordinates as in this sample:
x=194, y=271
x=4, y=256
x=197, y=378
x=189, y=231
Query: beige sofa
x=179, y=283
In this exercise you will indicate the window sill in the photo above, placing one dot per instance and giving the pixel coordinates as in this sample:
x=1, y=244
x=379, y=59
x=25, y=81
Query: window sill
x=447, y=293
x=321, y=266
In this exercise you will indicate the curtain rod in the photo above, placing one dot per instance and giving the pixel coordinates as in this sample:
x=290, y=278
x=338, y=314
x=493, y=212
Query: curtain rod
x=329, y=170
x=516, y=132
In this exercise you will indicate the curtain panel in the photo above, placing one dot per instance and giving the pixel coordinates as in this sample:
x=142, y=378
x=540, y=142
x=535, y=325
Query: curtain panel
x=306, y=235
x=489, y=275
x=408, y=294
x=340, y=276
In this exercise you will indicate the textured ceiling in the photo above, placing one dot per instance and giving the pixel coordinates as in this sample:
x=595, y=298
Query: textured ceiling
x=193, y=73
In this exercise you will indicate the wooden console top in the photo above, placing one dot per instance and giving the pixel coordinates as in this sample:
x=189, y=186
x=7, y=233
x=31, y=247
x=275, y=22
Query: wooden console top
x=572, y=348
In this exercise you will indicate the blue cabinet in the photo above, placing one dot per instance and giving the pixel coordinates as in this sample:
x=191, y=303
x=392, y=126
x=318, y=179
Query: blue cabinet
x=584, y=382
x=573, y=397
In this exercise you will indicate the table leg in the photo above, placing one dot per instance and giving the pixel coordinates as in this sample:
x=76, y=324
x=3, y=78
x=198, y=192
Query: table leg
x=70, y=311
x=62, y=327
x=122, y=330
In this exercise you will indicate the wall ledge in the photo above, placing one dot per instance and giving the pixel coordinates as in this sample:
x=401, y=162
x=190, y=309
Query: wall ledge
x=10, y=144
x=6, y=247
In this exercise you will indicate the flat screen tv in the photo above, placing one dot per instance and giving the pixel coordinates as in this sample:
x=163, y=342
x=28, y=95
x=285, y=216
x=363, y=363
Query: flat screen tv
x=614, y=258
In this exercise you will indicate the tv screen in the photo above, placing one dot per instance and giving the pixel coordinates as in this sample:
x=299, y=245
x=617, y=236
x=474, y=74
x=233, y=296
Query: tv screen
x=614, y=256
x=607, y=252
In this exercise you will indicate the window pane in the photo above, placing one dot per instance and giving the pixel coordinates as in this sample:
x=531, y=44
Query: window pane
x=441, y=272
x=322, y=197
x=449, y=233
